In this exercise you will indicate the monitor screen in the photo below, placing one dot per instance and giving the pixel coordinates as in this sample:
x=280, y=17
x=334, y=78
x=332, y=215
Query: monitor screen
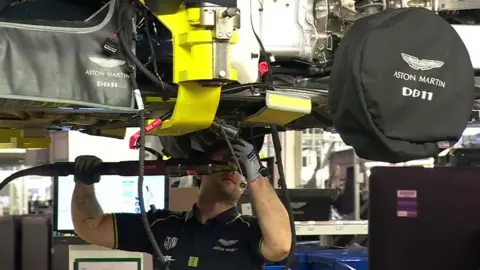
x=114, y=193
x=470, y=137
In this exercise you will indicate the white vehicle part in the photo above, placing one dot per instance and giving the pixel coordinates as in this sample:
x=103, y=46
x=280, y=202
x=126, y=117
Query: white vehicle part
x=456, y=4
x=470, y=35
x=287, y=28
x=245, y=54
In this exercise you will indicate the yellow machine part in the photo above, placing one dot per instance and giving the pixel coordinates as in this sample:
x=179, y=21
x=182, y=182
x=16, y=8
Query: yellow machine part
x=193, y=53
x=281, y=109
x=17, y=138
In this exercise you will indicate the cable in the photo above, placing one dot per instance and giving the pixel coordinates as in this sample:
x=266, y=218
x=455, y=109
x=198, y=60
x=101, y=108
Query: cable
x=277, y=146
x=22, y=173
x=138, y=98
x=278, y=155
x=268, y=76
x=240, y=88
x=143, y=213
x=133, y=58
x=153, y=55
x=141, y=172
x=230, y=147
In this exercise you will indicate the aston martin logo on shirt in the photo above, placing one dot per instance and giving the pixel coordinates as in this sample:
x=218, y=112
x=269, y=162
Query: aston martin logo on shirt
x=227, y=243
x=105, y=62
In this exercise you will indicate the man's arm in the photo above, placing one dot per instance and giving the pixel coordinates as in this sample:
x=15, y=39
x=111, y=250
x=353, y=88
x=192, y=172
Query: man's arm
x=123, y=231
x=273, y=220
x=89, y=221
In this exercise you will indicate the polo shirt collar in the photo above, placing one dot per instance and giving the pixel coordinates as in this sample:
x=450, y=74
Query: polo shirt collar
x=224, y=217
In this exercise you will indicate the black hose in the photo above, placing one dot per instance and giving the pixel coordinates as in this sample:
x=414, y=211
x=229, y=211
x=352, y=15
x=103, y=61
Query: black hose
x=22, y=173
x=55, y=170
x=278, y=155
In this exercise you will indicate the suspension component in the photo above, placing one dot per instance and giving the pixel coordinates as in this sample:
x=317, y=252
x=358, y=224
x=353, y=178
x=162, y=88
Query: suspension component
x=369, y=7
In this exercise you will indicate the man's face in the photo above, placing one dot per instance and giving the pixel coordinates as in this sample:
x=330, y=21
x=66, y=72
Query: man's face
x=223, y=186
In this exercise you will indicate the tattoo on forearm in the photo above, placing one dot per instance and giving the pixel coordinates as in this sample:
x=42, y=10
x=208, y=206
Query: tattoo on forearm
x=89, y=209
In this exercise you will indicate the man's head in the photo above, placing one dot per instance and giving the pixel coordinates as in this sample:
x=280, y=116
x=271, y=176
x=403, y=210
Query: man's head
x=222, y=186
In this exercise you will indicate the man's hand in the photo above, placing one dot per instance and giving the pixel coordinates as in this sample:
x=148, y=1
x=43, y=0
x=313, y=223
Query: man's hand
x=87, y=170
x=247, y=157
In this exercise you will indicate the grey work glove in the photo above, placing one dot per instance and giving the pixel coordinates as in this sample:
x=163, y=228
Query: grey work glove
x=87, y=170
x=248, y=159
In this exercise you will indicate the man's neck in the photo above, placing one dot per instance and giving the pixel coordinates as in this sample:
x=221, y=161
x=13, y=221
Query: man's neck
x=209, y=209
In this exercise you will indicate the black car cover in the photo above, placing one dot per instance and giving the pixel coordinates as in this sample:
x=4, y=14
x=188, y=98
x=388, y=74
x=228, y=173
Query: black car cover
x=402, y=85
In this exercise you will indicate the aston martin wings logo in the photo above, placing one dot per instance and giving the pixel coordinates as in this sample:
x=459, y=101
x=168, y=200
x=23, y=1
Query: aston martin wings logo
x=421, y=64
x=297, y=205
x=227, y=243
x=106, y=63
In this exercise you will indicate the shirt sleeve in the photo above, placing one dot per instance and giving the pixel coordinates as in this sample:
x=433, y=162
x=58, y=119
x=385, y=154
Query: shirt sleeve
x=130, y=234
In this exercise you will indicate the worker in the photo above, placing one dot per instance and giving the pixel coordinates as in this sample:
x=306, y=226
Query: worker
x=212, y=235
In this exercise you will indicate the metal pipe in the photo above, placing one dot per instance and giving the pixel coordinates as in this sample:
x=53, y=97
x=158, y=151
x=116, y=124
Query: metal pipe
x=356, y=187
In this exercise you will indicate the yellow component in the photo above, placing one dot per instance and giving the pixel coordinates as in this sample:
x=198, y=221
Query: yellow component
x=25, y=139
x=195, y=110
x=262, y=156
x=192, y=261
x=7, y=134
x=30, y=143
x=194, y=47
x=281, y=109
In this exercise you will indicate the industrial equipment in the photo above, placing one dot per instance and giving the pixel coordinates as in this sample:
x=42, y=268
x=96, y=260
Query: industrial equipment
x=195, y=60
x=175, y=68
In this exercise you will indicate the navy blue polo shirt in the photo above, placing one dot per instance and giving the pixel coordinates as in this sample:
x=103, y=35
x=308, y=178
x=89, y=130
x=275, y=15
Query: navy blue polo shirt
x=229, y=241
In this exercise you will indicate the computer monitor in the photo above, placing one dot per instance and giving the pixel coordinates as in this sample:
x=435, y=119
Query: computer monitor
x=470, y=137
x=345, y=202
x=10, y=243
x=424, y=218
x=307, y=204
x=114, y=193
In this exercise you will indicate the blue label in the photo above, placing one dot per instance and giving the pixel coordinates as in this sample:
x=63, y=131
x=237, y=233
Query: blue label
x=137, y=205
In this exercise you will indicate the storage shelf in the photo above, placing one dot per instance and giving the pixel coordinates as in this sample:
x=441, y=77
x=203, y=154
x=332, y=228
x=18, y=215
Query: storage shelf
x=358, y=227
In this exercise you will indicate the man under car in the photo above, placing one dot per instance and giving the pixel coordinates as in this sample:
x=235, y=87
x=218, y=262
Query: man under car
x=213, y=235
